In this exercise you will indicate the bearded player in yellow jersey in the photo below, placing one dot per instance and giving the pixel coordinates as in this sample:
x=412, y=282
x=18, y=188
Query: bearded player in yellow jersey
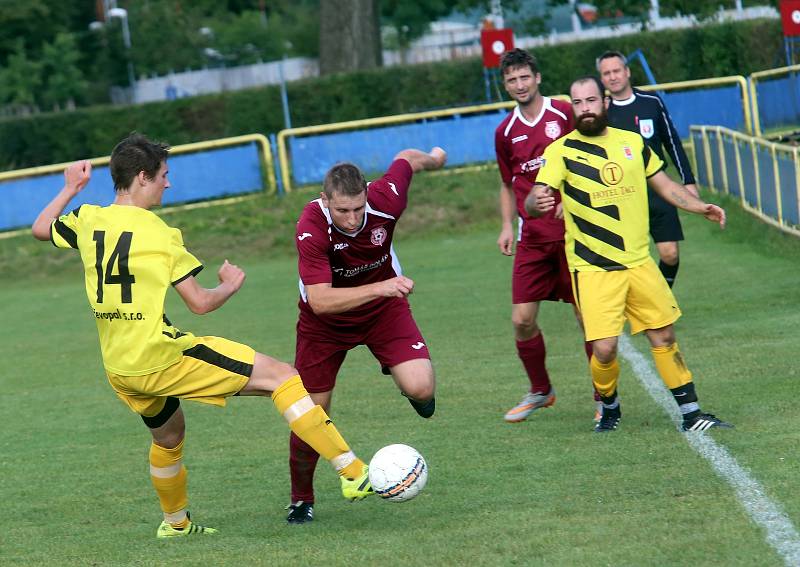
x=602, y=174
x=130, y=259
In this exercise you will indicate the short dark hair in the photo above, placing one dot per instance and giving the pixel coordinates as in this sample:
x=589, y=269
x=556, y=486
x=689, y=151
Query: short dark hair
x=133, y=154
x=344, y=178
x=610, y=55
x=589, y=79
x=518, y=58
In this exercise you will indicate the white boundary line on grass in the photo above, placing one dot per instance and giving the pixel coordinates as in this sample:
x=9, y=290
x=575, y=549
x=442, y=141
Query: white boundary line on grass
x=780, y=532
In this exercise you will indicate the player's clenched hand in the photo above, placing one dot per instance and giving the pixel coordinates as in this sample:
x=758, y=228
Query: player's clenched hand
x=231, y=275
x=399, y=286
x=439, y=155
x=77, y=175
x=540, y=200
x=715, y=214
x=506, y=242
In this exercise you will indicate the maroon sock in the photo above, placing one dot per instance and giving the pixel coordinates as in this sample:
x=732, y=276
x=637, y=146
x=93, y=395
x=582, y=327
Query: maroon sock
x=302, y=463
x=532, y=354
x=587, y=346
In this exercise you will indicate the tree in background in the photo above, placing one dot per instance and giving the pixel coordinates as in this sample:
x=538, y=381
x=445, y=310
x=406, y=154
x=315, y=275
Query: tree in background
x=349, y=36
x=63, y=81
x=20, y=80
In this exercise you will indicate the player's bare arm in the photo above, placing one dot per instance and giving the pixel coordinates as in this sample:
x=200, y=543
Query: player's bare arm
x=540, y=200
x=677, y=195
x=76, y=176
x=507, y=212
x=324, y=299
x=424, y=161
x=202, y=300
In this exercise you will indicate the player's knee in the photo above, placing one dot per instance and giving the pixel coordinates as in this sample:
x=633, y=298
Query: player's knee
x=669, y=255
x=268, y=375
x=421, y=390
x=524, y=325
x=604, y=353
x=168, y=432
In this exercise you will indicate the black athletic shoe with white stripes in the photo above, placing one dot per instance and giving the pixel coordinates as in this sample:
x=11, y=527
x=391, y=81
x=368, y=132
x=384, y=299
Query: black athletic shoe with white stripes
x=609, y=420
x=300, y=512
x=703, y=422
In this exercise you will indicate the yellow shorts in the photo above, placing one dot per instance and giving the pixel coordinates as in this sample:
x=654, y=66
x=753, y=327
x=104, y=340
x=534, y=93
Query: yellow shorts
x=212, y=370
x=640, y=294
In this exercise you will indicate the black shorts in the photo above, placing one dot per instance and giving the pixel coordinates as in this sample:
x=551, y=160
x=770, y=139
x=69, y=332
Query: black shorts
x=665, y=226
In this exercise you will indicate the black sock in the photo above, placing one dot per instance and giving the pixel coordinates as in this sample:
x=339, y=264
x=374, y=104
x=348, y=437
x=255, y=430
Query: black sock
x=669, y=271
x=686, y=399
x=424, y=409
x=611, y=404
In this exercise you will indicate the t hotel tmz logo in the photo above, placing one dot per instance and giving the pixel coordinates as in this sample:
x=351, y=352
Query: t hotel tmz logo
x=611, y=173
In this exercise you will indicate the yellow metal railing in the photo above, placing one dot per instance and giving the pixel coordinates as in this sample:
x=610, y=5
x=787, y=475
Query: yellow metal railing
x=747, y=151
x=259, y=139
x=283, y=135
x=717, y=81
x=283, y=153
x=754, y=80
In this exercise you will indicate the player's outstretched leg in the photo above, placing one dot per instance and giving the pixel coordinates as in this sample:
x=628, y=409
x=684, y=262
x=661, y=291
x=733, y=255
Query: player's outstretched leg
x=311, y=424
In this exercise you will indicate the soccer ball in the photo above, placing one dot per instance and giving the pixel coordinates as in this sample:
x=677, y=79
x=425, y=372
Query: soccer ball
x=398, y=473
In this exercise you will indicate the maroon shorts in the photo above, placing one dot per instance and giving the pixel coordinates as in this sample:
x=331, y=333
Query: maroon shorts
x=541, y=274
x=392, y=336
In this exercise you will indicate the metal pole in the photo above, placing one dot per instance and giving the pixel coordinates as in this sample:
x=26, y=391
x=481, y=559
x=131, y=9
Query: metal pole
x=287, y=119
x=122, y=14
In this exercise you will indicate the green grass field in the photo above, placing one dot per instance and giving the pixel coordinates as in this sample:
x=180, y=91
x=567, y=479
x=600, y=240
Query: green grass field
x=73, y=459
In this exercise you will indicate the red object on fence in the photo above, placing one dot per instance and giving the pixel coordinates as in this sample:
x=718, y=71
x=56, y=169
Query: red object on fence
x=790, y=17
x=494, y=44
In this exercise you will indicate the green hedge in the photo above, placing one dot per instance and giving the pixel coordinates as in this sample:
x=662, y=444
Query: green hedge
x=718, y=50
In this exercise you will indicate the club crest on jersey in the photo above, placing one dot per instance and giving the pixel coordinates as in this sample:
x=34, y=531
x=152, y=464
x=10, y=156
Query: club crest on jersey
x=646, y=128
x=378, y=236
x=552, y=129
x=628, y=152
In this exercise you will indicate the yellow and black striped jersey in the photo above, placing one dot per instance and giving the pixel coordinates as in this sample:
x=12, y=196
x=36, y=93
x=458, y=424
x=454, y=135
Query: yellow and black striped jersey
x=603, y=184
x=130, y=258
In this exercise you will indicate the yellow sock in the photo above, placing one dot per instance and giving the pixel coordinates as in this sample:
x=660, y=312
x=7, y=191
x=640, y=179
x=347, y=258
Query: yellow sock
x=671, y=366
x=604, y=376
x=311, y=424
x=169, y=479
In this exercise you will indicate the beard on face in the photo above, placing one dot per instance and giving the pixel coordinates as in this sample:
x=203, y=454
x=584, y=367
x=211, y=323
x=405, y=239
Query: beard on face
x=592, y=124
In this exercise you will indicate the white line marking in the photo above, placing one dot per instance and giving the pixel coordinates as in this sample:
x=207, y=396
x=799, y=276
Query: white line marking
x=780, y=532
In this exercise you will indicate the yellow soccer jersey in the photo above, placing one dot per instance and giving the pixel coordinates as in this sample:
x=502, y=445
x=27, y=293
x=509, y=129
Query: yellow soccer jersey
x=603, y=184
x=130, y=258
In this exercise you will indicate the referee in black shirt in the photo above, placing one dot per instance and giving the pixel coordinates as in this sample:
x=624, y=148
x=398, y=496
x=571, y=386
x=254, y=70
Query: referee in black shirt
x=645, y=113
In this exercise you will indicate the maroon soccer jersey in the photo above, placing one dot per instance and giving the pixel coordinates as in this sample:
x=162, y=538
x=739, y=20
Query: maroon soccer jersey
x=519, y=145
x=329, y=255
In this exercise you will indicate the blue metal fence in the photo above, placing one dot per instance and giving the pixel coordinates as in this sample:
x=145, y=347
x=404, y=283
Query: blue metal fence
x=468, y=139
x=214, y=173
x=765, y=176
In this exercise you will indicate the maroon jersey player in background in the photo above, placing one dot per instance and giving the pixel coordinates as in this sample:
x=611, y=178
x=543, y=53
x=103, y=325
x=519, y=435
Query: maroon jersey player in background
x=540, y=267
x=353, y=293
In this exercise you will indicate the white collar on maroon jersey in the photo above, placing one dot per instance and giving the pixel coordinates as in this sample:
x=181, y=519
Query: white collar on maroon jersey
x=367, y=210
x=624, y=102
x=521, y=117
